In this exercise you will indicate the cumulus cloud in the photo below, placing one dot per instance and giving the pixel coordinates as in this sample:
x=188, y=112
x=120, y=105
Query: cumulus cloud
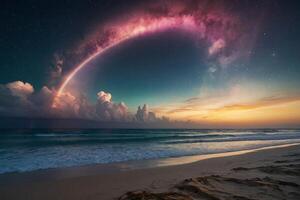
x=15, y=98
x=19, y=99
x=108, y=110
x=144, y=115
x=20, y=89
x=68, y=105
x=104, y=97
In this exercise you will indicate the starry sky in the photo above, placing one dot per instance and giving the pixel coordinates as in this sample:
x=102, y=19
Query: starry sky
x=211, y=63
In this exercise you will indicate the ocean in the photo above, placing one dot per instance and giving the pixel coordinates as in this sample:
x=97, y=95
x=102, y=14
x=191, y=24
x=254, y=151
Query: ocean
x=28, y=150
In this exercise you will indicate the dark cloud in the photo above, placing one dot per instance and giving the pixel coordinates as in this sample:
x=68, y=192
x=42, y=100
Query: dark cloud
x=144, y=115
x=56, y=68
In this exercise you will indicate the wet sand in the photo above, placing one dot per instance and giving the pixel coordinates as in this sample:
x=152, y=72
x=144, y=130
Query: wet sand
x=272, y=173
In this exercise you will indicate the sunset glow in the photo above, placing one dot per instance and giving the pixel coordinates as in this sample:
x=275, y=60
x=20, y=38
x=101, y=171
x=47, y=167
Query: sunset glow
x=195, y=63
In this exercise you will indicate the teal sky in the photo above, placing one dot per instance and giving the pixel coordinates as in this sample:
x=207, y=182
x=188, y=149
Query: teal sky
x=153, y=69
x=162, y=67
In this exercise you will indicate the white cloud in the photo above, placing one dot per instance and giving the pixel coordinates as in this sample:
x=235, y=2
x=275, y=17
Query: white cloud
x=20, y=89
x=108, y=110
x=19, y=99
x=104, y=97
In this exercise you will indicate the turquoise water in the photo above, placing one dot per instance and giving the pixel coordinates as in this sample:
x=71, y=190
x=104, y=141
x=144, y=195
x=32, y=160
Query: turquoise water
x=28, y=150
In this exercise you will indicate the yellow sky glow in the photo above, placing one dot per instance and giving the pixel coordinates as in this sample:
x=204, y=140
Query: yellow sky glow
x=237, y=109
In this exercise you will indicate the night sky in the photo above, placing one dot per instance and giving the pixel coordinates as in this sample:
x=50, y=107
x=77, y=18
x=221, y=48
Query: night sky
x=238, y=66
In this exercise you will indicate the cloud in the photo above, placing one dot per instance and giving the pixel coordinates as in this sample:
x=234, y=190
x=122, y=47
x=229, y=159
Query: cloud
x=19, y=99
x=260, y=103
x=68, y=105
x=108, y=110
x=15, y=98
x=56, y=69
x=216, y=46
x=104, y=97
x=20, y=89
x=144, y=115
x=236, y=103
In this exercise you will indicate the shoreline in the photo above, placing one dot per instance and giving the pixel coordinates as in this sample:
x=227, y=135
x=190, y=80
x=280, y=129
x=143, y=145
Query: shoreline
x=104, y=168
x=93, y=182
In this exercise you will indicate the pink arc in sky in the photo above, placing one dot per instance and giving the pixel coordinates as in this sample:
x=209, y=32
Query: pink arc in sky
x=220, y=31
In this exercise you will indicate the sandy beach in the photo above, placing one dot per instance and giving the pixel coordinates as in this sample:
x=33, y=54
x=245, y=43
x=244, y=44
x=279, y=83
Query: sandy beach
x=272, y=173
